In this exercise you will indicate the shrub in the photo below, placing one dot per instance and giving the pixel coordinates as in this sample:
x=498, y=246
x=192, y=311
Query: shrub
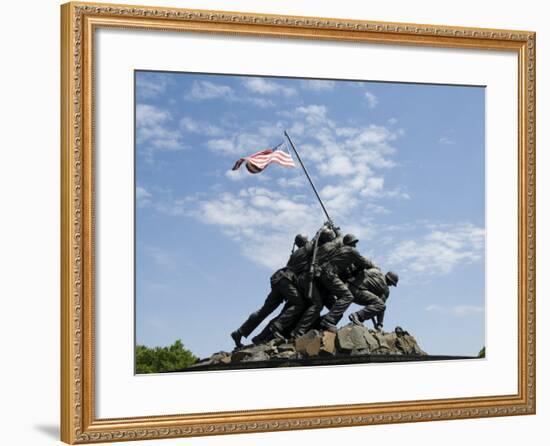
x=163, y=359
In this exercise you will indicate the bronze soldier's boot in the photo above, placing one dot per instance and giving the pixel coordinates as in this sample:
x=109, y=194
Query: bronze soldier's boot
x=236, y=335
x=276, y=333
x=329, y=326
x=354, y=317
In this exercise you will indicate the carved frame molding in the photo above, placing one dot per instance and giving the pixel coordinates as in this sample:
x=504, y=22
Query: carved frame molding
x=78, y=424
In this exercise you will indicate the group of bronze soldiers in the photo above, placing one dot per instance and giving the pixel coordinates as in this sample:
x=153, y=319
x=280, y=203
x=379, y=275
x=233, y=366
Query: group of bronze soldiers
x=327, y=271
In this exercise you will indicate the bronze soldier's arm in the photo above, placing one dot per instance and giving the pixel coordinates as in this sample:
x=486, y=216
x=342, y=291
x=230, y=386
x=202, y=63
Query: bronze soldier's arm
x=370, y=294
x=362, y=262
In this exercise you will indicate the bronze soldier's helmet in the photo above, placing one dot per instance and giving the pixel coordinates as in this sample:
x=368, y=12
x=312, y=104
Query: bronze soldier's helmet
x=326, y=235
x=392, y=278
x=300, y=240
x=350, y=240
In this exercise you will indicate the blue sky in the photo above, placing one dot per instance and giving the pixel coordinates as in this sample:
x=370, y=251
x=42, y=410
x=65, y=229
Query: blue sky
x=399, y=165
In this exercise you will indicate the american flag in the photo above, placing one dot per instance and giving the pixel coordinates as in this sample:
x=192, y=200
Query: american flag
x=258, y=161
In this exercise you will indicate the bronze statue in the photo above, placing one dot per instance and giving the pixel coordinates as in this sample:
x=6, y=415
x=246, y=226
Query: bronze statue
x=370, y=288
x=284, y=284
x=326, y=271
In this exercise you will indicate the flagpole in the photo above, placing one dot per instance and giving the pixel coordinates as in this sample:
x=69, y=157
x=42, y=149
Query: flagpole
x=308, y=177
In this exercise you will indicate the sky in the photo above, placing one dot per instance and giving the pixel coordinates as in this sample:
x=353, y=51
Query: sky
x=399, y=165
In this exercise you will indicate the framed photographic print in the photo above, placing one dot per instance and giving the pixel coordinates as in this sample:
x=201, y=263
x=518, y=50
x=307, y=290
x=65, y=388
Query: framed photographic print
x=275, y=223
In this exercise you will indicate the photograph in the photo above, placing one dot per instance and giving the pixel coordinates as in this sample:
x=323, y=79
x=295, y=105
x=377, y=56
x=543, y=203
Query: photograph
x=250, y=198
x=278, y=222
x=285, y=221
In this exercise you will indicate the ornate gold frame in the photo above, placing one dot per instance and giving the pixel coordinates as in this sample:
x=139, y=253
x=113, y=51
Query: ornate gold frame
x=78, y=423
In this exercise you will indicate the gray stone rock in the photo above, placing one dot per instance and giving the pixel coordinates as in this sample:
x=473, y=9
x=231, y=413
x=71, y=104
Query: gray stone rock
x=201, y=362
x=257, y=356
x=382, y=351
x=407, y=345
x=287, y=354
x=358, y=352
x=382, y=342
x=351, y=337
x=309, y=344
x=286, y=347
x=328, y=343
x=371, y=339
x=221, y=358
x=216, y=358
x=350, y=340
x=255, y=351
x=391, y=338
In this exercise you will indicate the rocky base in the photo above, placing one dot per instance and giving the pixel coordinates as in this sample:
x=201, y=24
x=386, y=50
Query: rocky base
x=354, y=342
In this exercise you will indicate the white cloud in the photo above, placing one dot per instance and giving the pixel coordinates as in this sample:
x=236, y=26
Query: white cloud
x=163, y=201
x=347, y=132
x=244, y=143
x=441, y=250
x=267, y=87
x=313, y=114
x=150, y=86
x=260, y=220
x=373, y=188
x=372, y=100
x=297, y=181
x=373, y=135
x=297, y=128
x=457, y=310
x=392, y=121
x=205, y=90
x=223, y=145
x=261, y=102
x=169, y=142
x=376, y=209
x=348, y=164
x=396, y=192
x=143, y=197
x=153, y=130
x=340, y=164
x=149, y=115
x=467, y=310
x=350, y=160
x=193, y=126
x=318, y=85
x=161, y=257
x=237, y=175
x=445, y=140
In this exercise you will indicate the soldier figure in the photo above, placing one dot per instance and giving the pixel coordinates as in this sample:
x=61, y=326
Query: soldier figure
x=336, y=263
x=327, y=242
x=299, y=259
x=370, y=288
x=328, y=279
x=283, y=288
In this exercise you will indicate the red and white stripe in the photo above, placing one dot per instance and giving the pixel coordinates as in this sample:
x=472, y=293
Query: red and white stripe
x=257, y=162
x=262, y=159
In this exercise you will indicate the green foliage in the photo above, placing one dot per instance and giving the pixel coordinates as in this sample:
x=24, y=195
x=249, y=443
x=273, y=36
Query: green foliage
x=163, y=359
x=481, y=353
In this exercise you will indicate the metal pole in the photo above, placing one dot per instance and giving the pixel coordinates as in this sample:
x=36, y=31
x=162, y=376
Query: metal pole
x=312, y=264
x=308, y=177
